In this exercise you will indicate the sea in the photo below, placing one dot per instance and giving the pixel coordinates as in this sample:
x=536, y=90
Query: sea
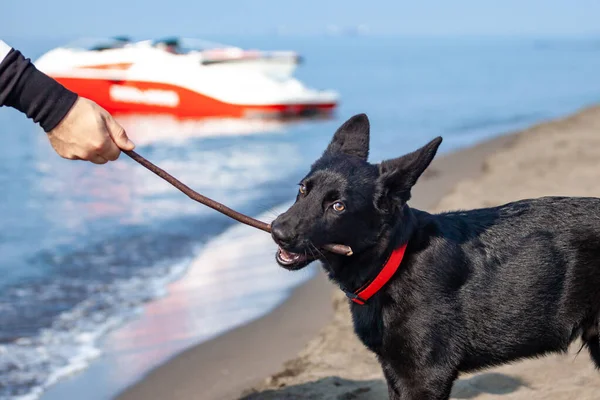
x=84, y=248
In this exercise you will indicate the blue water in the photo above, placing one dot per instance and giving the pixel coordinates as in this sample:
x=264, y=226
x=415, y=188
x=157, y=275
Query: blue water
x=83, y=246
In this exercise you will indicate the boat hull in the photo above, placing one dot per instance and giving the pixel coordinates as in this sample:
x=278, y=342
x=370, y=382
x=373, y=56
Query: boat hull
x=143, y=97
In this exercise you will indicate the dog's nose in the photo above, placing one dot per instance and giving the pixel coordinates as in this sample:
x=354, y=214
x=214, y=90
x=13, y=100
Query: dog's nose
x=281, y=235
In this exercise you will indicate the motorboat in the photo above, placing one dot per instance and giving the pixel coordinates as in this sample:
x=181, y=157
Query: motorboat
x=185, y=78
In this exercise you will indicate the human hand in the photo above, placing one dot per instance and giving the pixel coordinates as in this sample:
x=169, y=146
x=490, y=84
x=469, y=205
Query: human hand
x=88, y=132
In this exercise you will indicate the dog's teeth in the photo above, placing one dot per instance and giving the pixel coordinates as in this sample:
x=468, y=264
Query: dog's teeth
x=289, y=258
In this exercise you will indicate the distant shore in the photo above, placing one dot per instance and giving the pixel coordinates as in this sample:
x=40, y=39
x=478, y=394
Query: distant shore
x=223, y=368
x=559, y=157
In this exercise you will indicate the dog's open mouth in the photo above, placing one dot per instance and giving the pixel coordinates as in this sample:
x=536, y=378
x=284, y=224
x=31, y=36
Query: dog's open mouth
x=289, y=258
x=292, y=261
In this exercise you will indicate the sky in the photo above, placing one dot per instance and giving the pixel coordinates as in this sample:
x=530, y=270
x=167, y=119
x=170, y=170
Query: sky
x=58, y=18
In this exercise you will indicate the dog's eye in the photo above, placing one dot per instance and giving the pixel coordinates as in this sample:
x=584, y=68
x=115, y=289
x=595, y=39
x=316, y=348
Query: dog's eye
x=338, y=206
x=303, y=189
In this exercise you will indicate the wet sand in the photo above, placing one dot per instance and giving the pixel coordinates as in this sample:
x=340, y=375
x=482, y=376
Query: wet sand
x=223, y=368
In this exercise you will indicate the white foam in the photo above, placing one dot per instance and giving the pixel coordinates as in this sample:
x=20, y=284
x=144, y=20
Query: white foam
x=71, y=343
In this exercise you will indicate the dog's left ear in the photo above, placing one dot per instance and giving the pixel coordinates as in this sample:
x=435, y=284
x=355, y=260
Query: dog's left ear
x=352, y=137
x=398, y=176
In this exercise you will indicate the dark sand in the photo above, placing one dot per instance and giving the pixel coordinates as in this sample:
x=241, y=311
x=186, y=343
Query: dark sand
x=222, y=368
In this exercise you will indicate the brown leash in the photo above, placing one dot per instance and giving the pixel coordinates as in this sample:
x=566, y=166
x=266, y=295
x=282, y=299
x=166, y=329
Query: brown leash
x=192, y=194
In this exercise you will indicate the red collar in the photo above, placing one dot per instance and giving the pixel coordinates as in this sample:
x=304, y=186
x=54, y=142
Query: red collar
x=368, y=290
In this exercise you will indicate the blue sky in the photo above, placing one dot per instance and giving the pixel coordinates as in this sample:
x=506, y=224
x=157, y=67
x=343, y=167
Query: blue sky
x=57, y=18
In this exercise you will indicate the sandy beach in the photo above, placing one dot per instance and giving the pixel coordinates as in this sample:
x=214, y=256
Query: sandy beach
x=554, y=158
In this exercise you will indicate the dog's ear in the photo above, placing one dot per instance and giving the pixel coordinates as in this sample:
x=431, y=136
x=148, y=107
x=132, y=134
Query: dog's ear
x=398, y=176
x=352, y=137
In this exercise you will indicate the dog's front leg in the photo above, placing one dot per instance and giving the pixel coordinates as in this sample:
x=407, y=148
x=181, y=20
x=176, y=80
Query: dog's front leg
x=432, y=383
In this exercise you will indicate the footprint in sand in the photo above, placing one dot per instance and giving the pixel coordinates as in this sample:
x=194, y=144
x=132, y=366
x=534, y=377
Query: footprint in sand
x=491, y=383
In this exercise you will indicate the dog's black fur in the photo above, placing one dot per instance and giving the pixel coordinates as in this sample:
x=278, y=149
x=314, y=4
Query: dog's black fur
x=475, y=288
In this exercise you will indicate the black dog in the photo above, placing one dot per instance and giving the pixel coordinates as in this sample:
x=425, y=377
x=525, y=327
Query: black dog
x=435, y=295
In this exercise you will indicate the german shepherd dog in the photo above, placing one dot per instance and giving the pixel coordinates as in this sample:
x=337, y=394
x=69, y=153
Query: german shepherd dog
x=474, y=289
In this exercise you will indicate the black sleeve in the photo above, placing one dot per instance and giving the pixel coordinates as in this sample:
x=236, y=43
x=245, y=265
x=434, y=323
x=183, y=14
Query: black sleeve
x=32, y=92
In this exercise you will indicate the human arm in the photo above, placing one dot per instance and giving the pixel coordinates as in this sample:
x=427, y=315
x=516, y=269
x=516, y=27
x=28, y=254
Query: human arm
x=77, y=127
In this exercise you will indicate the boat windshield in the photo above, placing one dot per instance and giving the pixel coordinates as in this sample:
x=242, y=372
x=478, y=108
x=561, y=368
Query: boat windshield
x=98, y=44
x=173, y=45
x=187, y=45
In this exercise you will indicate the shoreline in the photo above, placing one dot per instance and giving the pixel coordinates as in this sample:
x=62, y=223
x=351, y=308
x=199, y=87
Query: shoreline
x=225, y=367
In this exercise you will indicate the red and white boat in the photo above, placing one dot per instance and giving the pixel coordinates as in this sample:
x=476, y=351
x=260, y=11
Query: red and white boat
x=185, y=78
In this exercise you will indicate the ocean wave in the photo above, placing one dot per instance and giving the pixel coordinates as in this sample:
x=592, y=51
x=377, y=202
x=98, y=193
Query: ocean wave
x=29, y=365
